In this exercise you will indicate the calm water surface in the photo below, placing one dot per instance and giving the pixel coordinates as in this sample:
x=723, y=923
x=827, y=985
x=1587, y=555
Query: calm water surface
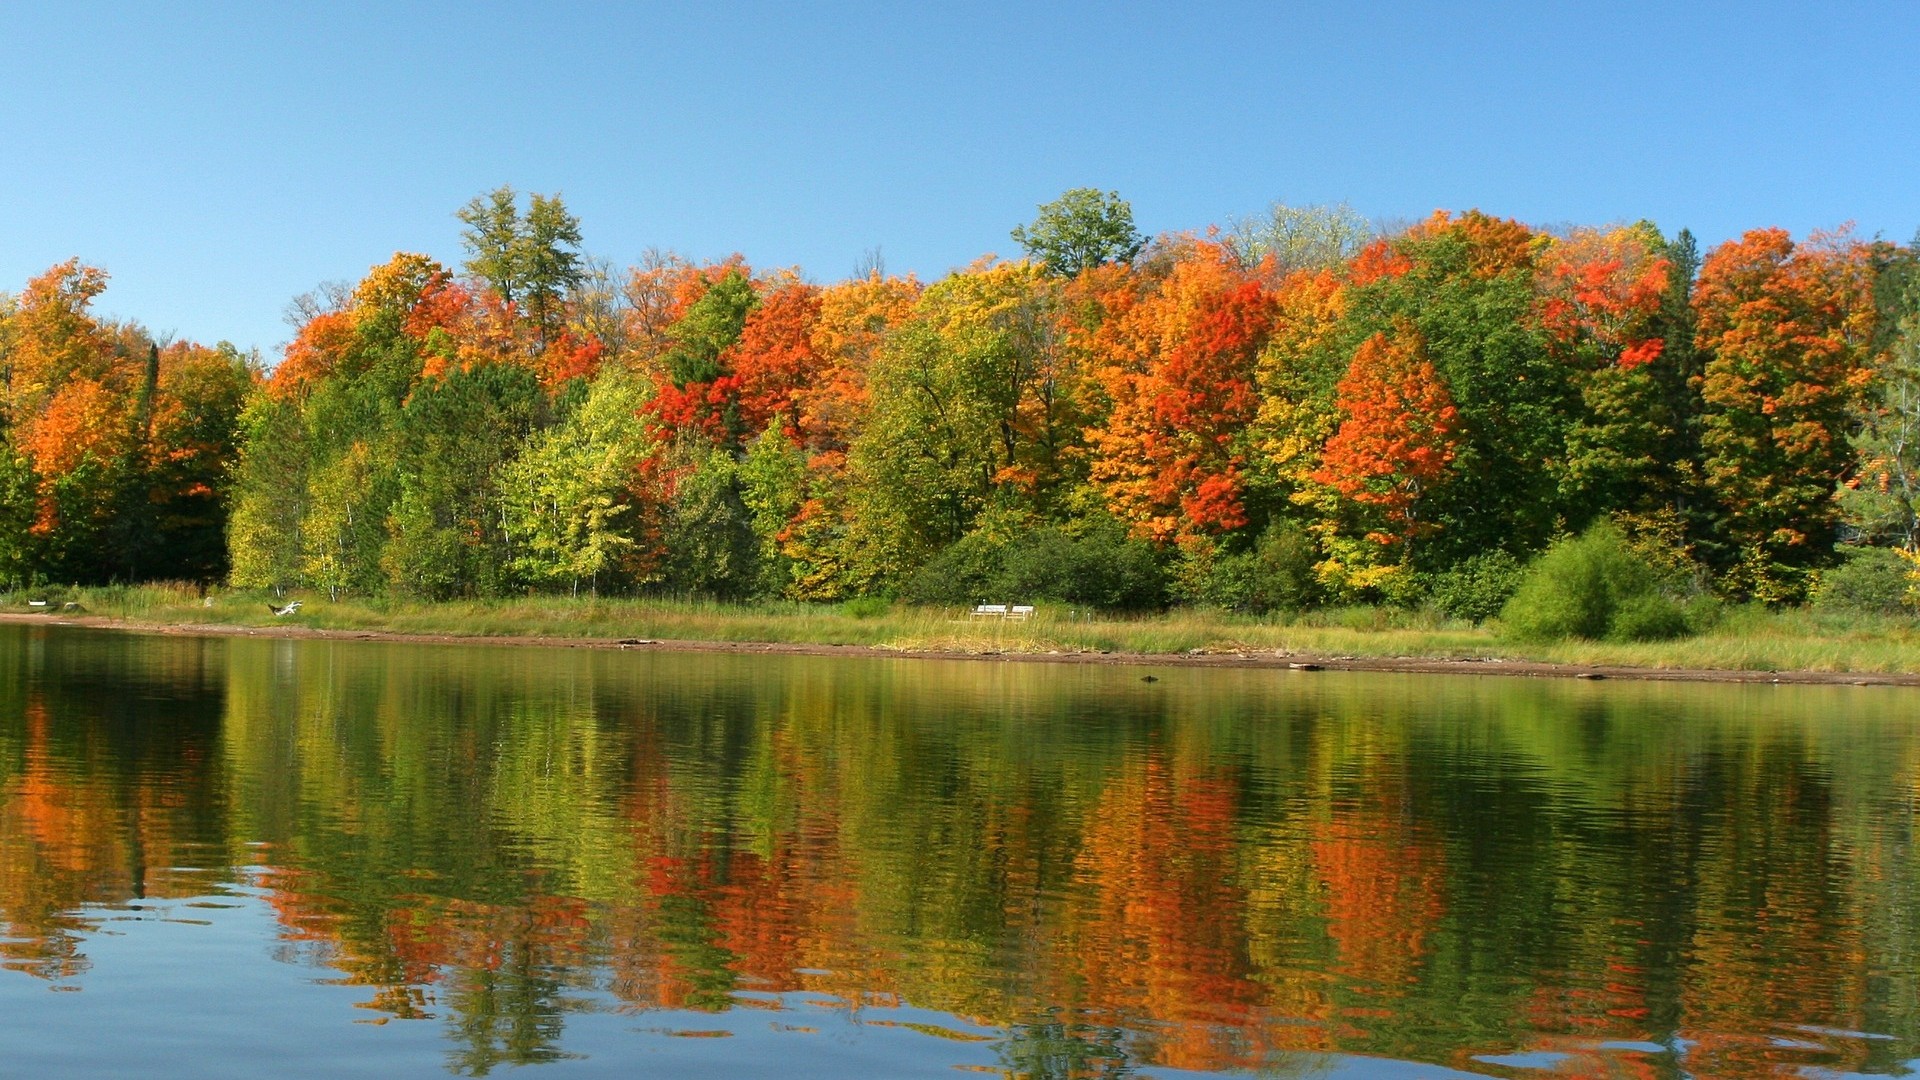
x=242, y=857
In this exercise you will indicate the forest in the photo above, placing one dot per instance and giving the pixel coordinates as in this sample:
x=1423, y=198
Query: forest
x=1296, y=409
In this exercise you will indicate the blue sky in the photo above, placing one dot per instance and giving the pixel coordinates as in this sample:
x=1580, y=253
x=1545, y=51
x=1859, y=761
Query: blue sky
x=218, y=159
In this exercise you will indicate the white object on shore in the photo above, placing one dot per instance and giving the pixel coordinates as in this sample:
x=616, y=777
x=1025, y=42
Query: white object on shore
x=1011, y=613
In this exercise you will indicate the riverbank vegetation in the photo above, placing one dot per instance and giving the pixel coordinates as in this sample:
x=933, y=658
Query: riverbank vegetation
x=1748, y=637
x=1580, y=433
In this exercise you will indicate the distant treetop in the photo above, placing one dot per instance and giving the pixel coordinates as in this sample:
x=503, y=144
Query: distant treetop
x=1080, y=229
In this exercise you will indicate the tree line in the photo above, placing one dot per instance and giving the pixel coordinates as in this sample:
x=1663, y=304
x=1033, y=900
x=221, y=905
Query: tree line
x=1293, y=410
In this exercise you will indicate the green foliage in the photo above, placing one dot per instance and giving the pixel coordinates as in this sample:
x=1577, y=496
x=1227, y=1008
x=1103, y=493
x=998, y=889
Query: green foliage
x=1881, y=502
x=1515, y=405
x=927, y=457
x=533, y=260
x=269, y=496
x=83, y=502
x=1276, y=574
x=550, y=260
x=773, y=485
x=1477, y=587
x=492, y=239
x=455, y=435
x=423, y=555
x=711, y=324
x=867, y=607
x=345, y=525
x=565, y=505
x=1082, y=228
x=1595, y=587
x=19, y=555
x=710, y=546
x=1871, y=581
x=1101, y=567
x=1650, y=616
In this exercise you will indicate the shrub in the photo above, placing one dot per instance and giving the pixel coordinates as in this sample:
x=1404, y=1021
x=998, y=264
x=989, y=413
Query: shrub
x=866, y=607
x=1872, y=581
x=963, y=572
x=1100, y=567
x=1276, y=574
x=1593, y=586
x=1477, y=588
x=1652, y=616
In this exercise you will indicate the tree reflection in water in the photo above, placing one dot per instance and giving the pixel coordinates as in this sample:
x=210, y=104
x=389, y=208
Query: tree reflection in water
x=1222, y=870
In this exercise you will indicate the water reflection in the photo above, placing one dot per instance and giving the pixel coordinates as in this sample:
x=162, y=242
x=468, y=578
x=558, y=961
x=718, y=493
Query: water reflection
x=1026, y=871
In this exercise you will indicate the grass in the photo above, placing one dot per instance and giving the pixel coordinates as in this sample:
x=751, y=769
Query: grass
x=1743, y=639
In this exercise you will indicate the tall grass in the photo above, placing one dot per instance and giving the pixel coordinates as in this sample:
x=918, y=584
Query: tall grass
x=1743, y=639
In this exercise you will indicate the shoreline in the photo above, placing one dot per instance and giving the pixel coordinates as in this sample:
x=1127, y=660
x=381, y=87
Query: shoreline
x=1246, y=658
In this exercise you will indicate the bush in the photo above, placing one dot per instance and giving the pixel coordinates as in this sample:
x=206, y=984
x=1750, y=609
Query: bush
x=1477, y=588
x=1276, y=574
x=1594, y=586
x=1101, y=567
x=963, y=572
x=1872, y=581
x=1650, y=616
x=866, y=607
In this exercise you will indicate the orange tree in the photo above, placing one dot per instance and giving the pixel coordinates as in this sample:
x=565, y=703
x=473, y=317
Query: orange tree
x=1787, y=330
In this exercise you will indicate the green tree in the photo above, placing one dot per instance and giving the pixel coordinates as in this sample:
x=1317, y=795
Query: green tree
x=710, y=325
x=973, y=402
x=19, y=548
x=551, y=265
x=1616, y=307
x=343, y=529
x=270, y=497
x=493, y=241
x=1467, y=285
x=773, y=485
x=1082, y=228
x=1881, y=500
x=455, y=434
x=533, y=260
x=710, y=545
x=565, y=500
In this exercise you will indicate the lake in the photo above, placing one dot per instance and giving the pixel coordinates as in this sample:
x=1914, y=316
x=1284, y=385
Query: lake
x=248, y=856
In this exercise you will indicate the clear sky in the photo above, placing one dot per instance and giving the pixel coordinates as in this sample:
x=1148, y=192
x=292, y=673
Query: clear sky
x=218, y=159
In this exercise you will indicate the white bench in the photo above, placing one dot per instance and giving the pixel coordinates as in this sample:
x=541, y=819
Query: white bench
x=1011, y=613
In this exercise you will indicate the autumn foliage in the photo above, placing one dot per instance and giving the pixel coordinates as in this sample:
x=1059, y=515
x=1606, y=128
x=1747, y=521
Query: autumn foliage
x=1395, y=438
x=1168, y=458
x=1405, y=403
x=113, y=449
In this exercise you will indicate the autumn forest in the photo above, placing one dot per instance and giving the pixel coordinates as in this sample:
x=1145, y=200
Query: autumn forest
x=1296, y=409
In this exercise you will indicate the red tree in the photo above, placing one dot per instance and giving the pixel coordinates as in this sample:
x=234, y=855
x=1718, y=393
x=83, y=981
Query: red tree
x=1397, y=435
